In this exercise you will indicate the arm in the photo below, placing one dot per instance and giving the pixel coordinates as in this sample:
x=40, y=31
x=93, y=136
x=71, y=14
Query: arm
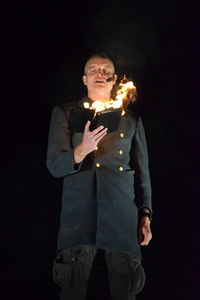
x=62, y=159
x=140, y=164
x=142, y=182
x=60, y=154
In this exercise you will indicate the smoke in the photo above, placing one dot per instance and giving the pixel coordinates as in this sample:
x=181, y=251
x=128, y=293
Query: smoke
x=129, y=39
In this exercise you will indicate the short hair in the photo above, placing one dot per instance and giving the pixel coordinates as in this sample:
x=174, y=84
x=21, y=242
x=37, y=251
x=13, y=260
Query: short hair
x=101, y=55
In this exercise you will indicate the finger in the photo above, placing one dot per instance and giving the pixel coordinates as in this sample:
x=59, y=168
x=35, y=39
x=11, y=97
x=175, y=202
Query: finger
x=146, y=240
x=140, y=237
x=100, y=135
x=87, y=127
x=144, y=243
x=99, y=139
x=95, y=131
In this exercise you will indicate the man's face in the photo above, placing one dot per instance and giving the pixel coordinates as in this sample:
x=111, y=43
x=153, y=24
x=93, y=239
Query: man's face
x=97, y=70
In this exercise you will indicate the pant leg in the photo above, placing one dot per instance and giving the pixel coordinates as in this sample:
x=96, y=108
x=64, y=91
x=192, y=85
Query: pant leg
x=126, y=275
x=71, y=271
x=98, y=287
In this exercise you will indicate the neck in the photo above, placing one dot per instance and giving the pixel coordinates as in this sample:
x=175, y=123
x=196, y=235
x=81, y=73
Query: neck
x=98, y=96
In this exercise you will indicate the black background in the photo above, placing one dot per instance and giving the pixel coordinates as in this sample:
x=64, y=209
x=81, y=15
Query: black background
x=44, y=49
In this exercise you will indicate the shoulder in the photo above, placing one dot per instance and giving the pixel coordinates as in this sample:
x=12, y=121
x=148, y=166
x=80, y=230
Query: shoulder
x=135, y=118
x=68, y=105
x=64, y=108
x=133, y=115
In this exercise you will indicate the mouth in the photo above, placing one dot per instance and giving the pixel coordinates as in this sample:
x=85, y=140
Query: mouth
x=99, y=81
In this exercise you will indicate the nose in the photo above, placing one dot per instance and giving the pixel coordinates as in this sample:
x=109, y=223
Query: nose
x=100, y=72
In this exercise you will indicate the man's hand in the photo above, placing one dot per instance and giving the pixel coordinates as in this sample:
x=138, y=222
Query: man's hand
x=144, y=231
x=89, y=142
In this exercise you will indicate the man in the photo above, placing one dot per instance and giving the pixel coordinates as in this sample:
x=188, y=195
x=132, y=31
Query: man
x=99, y=211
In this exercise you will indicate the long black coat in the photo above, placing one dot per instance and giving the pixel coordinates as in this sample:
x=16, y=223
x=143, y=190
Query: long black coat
x=98, y=199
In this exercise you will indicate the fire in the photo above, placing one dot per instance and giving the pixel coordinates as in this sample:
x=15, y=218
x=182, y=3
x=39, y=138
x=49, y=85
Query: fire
x=126, y=89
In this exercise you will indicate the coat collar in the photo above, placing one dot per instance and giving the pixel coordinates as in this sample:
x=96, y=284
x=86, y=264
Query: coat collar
x=85, y=99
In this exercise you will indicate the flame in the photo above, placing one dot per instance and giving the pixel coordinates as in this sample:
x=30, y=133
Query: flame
x=125, y=87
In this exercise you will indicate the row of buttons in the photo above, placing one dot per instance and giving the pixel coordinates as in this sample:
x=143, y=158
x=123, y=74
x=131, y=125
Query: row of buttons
x=121, y=134
x=121, y=169
x=120, y=151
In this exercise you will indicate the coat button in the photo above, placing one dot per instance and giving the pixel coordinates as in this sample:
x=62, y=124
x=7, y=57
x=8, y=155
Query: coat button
x=86, y=104
x=121, y=168
x=120, y=151
x=96, y=148
x=98, y=165
x=121, y=134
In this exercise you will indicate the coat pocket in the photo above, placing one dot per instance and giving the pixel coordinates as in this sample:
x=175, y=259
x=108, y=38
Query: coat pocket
x=130, y=171
x=71, y=266
x=138, y=277
x=62, y=268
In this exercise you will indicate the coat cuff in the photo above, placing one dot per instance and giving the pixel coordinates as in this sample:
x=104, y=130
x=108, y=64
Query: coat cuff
x=63, y=164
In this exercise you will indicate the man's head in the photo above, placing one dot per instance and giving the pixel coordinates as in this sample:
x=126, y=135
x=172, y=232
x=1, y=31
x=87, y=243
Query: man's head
x=98, y=69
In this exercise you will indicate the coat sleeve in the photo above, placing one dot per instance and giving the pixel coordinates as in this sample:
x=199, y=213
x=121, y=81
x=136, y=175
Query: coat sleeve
x=140, y=164
x=60, y=154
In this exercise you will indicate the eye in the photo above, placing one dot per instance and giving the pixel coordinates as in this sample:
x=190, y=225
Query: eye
x=107, y=72
x=93, y=71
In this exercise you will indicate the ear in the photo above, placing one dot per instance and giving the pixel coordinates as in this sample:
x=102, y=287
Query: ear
x=84, y=79
x=115, y=79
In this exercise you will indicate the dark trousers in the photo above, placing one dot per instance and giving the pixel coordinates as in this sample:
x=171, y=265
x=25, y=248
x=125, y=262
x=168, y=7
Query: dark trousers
x=72, y=269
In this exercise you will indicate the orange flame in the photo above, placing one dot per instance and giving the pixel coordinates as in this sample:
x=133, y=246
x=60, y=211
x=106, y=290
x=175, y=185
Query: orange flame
x=119, y=101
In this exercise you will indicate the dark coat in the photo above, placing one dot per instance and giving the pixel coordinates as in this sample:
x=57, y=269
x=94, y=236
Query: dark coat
x=99, y=197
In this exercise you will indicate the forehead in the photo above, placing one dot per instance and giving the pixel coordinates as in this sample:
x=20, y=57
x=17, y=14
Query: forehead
x=99, y=62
